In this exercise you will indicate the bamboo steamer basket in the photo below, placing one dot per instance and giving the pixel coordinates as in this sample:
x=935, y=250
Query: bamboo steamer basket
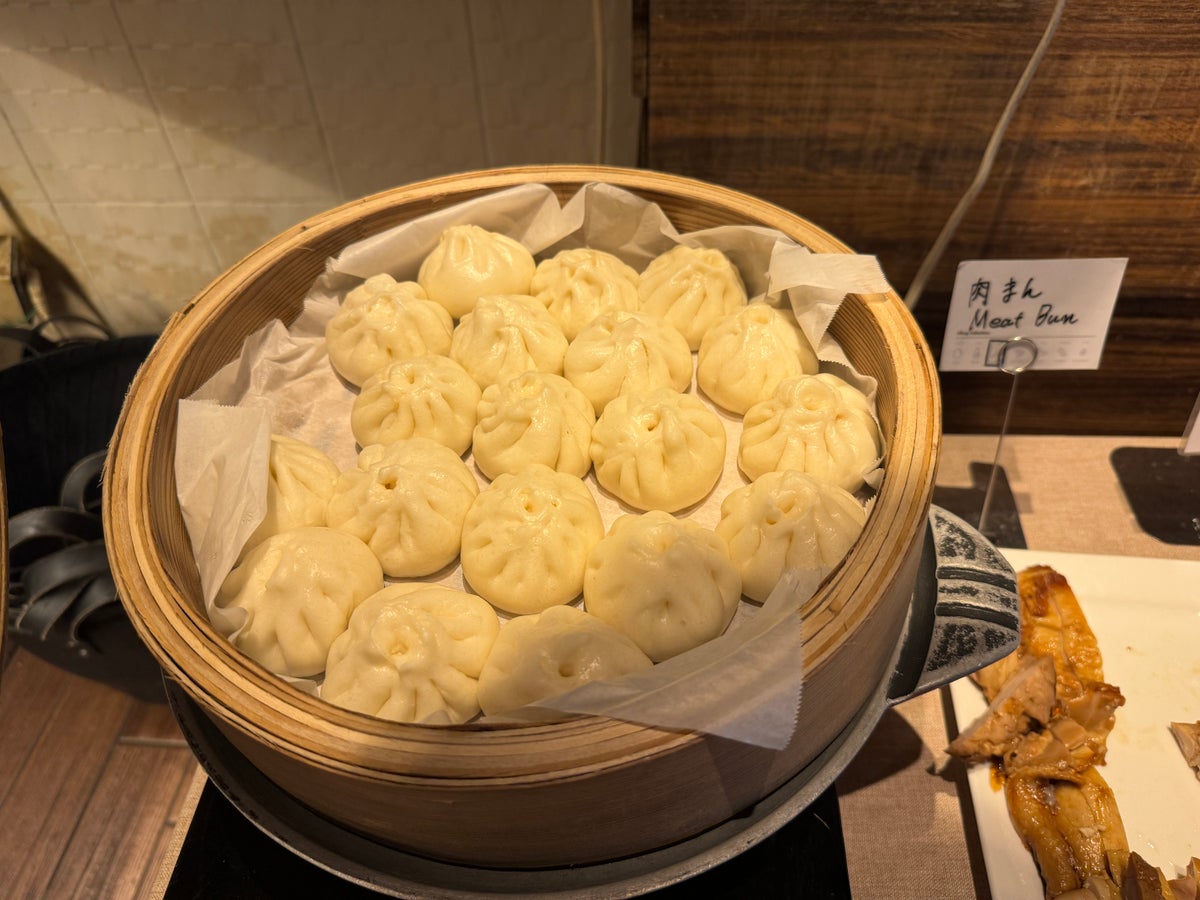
x=582, y=790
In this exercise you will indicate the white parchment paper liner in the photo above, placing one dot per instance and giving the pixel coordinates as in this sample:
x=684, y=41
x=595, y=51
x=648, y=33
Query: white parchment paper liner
x=746, y=685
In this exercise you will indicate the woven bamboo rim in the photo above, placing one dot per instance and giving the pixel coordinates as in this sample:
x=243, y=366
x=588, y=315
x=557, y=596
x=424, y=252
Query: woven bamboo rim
x=151, y=558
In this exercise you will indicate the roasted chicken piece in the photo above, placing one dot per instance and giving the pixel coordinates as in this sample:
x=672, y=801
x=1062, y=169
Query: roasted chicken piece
x=1050, y=710
x=1054, y=625
x=1144, y=882
x=1026, y=698
x=1047, y=723
x=1093, y=889
x=1031, y=806
x=1187, y=885
x=1075, y=737
x=1073, y=829
x=1187, y=735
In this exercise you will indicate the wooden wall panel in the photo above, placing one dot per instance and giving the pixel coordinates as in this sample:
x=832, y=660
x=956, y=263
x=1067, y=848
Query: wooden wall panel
x=870, y=118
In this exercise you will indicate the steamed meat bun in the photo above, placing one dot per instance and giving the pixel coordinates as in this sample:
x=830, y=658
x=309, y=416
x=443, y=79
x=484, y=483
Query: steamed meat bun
x=544, y=655
x=787, y=520
x=505, y=335
x=407, y=502
x=692, y=288
x=624, y=352
x=662, y=450
x=816, y=424
x=412, y=653
x=470, y=262
x=746, y=354
x=535, y=417
x=577, y=285
x=382, y=321
x=666, y=583
x=426, y=396
x=527, y=537
x=300, y=480
x=292, y=595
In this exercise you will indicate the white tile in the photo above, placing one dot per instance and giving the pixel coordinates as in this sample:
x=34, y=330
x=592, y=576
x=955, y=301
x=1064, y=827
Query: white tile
x=17, y=176
x=110, y=165
x=623, y=109
x=74, y=98
x=41, y=222
x=214, y=24
x=383, y=41
x=265, y=166
x=145, y=260
x=227, y=80
x=537, y=79
x=64, y=90
x=394, y=86
x=62, y=25
x=237, y=229
x=237, y=65
x=376, y=154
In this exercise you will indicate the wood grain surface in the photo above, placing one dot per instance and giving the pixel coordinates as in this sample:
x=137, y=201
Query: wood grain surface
x=870, y=119
x=92, y=782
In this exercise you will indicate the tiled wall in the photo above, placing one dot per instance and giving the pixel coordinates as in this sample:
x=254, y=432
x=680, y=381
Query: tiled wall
x=149, y=144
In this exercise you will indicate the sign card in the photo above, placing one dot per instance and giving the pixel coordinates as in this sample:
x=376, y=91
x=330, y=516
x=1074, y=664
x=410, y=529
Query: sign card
x=1063, y=305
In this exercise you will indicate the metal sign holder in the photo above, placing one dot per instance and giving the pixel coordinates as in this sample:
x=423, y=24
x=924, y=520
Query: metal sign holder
x=1016, y=355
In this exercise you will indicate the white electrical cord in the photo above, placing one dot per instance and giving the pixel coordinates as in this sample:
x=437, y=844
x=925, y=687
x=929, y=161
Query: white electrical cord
x=934, y=256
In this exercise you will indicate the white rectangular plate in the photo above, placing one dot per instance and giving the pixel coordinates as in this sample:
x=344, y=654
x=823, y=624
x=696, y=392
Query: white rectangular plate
x=1145, y=614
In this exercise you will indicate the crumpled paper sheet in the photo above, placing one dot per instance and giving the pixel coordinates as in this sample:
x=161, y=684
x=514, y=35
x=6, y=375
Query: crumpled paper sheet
x=282, y=382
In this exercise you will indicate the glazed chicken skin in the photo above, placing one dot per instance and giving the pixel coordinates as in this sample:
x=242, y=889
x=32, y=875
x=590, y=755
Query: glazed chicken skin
x=1074, y=830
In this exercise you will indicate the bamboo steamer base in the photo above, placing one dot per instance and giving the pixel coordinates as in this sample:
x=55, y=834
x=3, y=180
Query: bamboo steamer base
x=521, y=796
x=363, y=860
